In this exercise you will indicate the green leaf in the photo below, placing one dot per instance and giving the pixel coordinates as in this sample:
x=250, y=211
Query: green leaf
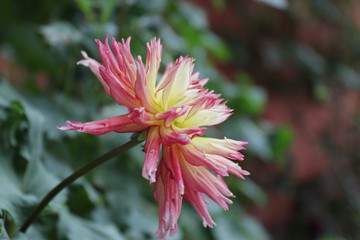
x=216, y=47
x=36, y=132
x=39, y=181
x=12, y=197
x=82, y=199
x=310, y=59
x=86, y=8
x=253, y=191
x=348, y=76
x=281, y=141
x=321, y=91
x=252, y=229
x=191, y=224
x=256, y=134
x=227, y=229
x=219, y=4
x=108, y=8
x=330, y=237
x=250, y=98
x=60, y=34
x=19, y=106
x=281, y=4
x=31, y=234
x=3, y=232
x=75, y=228
x=134, y=212
x=49, y=122
x=243, y=228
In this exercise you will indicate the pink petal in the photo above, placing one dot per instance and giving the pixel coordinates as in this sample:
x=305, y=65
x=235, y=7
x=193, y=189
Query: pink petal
x=191, y=132
x=129, y=66
x=118, y=73
x=170, y=137
x=197, y=158
x=120, y=123
x=152, y=151
x=199, y=179
x=107, y=57
x=172, y=114
x=167, y=194
x=196, y=199
x=94, y=67
x=140, y=116
x=172, y=161
x=142, y=89
x=231, y=166
x=117, y=90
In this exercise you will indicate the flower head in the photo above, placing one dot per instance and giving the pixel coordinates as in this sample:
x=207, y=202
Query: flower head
x=173, y=110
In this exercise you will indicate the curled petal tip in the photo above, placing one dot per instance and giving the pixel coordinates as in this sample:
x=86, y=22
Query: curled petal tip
x=62, y=128
x=237, y=156
x=83, y=62
x=150, y=176
x=86, y=61
x=70, y=126
x=181, y=189
x=173, y=230
x=209, y=224
x=151, y=179
x=84, y=54
x=140, y=116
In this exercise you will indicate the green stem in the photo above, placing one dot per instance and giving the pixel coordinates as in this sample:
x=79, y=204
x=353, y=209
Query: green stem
x=107, y=156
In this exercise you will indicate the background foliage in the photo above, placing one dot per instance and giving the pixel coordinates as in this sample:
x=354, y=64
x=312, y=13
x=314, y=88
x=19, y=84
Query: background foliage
x=283, y=66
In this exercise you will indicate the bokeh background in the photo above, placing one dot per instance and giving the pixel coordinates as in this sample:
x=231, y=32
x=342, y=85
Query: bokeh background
x=289, y=69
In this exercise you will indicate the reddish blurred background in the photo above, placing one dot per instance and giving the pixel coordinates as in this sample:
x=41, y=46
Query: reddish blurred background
x=306, y=56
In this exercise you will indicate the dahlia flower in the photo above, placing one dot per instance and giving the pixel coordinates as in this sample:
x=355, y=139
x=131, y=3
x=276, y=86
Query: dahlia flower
x=173, y=111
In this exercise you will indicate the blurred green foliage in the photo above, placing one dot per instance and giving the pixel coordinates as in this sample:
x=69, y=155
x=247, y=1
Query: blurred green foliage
x=311, y=47
x=40, y=47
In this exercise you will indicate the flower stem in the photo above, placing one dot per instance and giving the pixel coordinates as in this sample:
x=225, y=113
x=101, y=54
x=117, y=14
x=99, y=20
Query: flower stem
x=70, y=179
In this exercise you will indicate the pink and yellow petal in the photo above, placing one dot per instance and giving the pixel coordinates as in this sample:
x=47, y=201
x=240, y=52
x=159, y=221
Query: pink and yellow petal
x=153, y=59
x=231, y=166
x=198, y=158
x=224, y=147
x=199, y=179
x=171, y=114
x=175, y=81
x=207, y=117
